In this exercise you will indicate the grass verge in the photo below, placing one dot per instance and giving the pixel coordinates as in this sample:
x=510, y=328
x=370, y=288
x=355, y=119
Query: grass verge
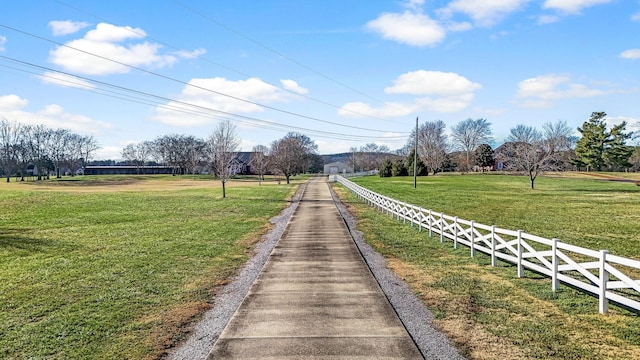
x=487, y=311
x=119, y=270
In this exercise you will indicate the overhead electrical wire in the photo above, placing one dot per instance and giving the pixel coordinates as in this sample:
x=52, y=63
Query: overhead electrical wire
x=187, y=83
x=185, y=107
x=280, y=54
x=238, y=33
x=228, y=68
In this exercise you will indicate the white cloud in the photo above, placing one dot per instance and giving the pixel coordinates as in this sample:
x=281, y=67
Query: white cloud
x=66, y=27
x=633, y=54
x=424, y=82
x=111, y=33
x=446, y=104
x=191, y=54
x=109, y=152
x=542, y=90
x=64, y=80
x=387, y=110
x=414, y=4
x=53, y=116
x=458, y=26
x=293, y=86
x=571, y=6
x=483, y=12
x=12, y=102
x=635, y=17
x=117, y=43
x=632, y=123
x=548, y=19
x=3, y=40
x=438, y=91
x=409, y=28
x=207, y=94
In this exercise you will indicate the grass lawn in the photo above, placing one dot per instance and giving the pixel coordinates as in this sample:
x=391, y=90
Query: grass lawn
x=119, y=267
x=487, y=311
x=591, y=213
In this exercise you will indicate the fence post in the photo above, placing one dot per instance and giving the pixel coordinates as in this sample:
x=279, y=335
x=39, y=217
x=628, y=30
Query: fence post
x=493, y=245
x=455, y=234
x=473, y=238
x=421, y=216
x=430, y=225
x=554, y=264
x=604, y=279
x=441, y=227
x=404, y=216
x=520, y=269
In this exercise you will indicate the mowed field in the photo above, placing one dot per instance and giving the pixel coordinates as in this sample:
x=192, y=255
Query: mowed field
x=119, y=267
x=487, y=311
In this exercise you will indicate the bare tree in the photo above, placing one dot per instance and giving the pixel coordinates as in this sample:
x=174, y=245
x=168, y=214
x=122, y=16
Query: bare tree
x=224, y=143
x=38, y=140
x=137, y=154
x=193, y=153
x=522, y=133
x=433, y=145
x=259, y=161
x=355, y=159
x=540, y=152
x=290, y=155
x=42, y=150
x=57, y=149
x=9, y=139
x=469, y=134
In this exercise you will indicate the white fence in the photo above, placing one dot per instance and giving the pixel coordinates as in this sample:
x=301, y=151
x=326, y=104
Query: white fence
x=605, y=275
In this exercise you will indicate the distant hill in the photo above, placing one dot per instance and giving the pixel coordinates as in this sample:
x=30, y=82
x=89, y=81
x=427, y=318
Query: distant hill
x=345, y=157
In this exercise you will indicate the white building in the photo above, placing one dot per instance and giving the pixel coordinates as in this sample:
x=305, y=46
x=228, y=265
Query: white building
x=337, y=168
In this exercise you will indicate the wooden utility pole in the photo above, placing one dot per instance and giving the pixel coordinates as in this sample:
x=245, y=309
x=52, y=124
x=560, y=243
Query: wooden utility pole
x=415, y=158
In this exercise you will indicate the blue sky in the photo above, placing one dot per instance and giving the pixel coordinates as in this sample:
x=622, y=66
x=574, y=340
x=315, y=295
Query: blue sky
x=343, y=72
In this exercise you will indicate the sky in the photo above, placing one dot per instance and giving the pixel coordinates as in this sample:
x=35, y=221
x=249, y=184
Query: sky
x=343, y=72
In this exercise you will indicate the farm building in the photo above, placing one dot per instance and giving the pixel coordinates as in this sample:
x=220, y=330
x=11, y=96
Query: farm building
x=337, y=168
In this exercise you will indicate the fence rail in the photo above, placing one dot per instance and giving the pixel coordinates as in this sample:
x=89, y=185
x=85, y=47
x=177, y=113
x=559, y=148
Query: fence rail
x=607, y=276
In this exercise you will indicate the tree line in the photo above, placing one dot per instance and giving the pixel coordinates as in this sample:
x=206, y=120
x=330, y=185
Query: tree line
x=527, y=149
x=218, y=154
x=39, y=151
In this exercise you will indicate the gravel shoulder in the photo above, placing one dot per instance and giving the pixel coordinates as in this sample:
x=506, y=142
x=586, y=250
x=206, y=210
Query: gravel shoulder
x=414, y=315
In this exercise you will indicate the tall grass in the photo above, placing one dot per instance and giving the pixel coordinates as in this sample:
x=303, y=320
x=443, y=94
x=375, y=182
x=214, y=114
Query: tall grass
x=119, y=274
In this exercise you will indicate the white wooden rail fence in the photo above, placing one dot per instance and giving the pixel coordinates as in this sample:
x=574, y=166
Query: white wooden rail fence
x=597, y=272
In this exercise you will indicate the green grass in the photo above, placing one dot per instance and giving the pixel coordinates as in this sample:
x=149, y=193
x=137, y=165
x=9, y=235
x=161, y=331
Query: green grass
x=487, y=311
x=594, y=214
x=119, y=274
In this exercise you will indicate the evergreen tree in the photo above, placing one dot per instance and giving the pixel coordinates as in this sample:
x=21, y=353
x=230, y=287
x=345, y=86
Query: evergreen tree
x=599, y=148
x=484, y=156
x=399, y=169
x=618, y=153
x=386, y=168
x=590, y=149
x=420, y=166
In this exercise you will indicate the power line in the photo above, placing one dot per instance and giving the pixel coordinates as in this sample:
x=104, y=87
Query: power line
x=241, y=72
x=189, y=84
x=142, y=97
x=228, y=28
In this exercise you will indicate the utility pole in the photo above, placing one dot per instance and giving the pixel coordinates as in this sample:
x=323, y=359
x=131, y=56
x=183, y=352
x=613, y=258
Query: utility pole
x=415, y=158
